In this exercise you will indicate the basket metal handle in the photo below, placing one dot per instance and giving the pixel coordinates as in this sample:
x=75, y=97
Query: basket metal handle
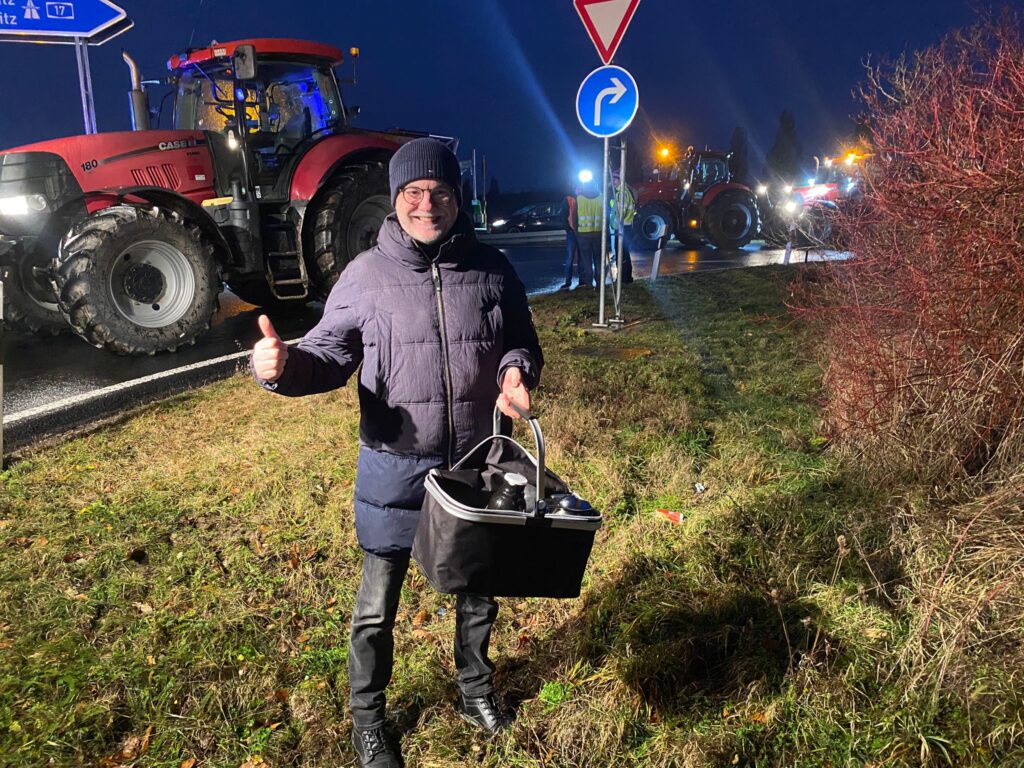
x=538, y=438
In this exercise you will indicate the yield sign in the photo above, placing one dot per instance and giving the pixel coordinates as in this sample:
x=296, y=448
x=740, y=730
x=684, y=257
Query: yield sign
x=606, y=22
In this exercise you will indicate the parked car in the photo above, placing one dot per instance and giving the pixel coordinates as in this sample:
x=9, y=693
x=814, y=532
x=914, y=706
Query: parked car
x=531, y=218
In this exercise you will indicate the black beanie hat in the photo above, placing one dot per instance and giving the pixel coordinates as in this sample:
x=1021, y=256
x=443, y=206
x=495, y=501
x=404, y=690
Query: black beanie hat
x=425, y=159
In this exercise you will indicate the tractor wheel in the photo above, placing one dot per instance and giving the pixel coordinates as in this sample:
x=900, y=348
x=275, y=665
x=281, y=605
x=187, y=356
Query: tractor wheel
x=137, y=281
x=649, y=220
x=731, y=221
x=29, y=303
x=348, y=219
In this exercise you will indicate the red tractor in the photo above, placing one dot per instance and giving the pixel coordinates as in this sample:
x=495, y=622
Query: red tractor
x=697, y=202
x=262, y=183
x=806, y=214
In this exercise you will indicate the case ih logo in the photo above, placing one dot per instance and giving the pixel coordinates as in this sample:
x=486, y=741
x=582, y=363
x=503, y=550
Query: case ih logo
x=176, y=144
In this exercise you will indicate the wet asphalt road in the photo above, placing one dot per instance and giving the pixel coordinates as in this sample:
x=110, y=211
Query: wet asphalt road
x=41, y=370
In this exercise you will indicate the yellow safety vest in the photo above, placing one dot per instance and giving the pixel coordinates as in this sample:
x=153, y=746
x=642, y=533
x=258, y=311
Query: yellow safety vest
x=589, y=209
x=628, y=207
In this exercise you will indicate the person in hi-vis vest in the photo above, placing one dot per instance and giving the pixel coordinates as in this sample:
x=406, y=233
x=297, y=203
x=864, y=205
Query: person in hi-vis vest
x=588, y=209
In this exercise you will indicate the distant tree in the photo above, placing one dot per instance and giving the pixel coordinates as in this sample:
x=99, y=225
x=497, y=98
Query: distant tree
x=784, y=158
x=493, y=190
x=739, y=163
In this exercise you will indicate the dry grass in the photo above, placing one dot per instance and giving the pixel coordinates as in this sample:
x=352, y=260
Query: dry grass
x=178, y=586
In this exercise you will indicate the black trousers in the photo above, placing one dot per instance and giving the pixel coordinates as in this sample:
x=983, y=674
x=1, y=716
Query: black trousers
x=371, y=652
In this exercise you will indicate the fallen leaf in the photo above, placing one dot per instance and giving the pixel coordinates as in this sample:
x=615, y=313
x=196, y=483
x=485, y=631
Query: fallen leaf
x=42, y=541
x=421, y=618
x=422, y=634
x=151, y=661
x=252, y=762
x=281, y=694
x=189, y=763
x=145, y=739
x=143, y=607
x=759, y=717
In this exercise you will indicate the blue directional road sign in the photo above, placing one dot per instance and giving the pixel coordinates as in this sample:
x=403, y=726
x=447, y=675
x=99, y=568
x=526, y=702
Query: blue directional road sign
x=61, y=21
x=607, y=101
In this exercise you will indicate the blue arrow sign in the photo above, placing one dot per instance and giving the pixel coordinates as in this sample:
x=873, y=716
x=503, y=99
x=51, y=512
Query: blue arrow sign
x=607, y=101
x=58, y=20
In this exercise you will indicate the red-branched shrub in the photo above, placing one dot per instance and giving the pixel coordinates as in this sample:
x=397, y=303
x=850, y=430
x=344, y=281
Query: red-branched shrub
x=924, y=325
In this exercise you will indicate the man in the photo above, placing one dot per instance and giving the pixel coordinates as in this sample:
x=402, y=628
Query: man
x=588, y=209
x=572, y=247
x=622, y=222
x=442, y=328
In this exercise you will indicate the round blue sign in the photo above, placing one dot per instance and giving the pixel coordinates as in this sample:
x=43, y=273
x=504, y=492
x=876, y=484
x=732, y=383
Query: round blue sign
x=607, y=101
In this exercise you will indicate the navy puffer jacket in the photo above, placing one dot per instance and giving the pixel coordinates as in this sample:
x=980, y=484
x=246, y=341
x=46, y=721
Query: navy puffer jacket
x=433, y=338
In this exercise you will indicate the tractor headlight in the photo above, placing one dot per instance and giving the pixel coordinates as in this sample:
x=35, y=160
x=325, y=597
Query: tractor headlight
x=791, y=208
x=22, y=205
x=762, y=190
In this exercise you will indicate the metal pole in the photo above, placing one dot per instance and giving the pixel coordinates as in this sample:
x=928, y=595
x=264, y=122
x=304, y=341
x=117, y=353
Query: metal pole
x=85, y=84
x=483, y=162
x=621, y=238
x=604, y=238
x=475, y=195
x=88, y=84
x=1, y=377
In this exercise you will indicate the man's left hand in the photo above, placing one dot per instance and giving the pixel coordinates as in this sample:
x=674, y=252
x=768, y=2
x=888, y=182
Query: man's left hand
x=513, y=391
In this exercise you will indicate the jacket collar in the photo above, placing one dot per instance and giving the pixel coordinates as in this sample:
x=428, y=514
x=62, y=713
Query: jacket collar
x=395, y=243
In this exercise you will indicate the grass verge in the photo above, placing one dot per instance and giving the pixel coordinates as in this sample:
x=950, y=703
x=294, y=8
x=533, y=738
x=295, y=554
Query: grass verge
x=176, y=588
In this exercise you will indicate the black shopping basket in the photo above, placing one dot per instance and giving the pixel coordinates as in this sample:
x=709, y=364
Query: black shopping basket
x=464, y=548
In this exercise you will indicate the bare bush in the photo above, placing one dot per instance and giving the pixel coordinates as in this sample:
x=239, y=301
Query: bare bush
x=924, y=327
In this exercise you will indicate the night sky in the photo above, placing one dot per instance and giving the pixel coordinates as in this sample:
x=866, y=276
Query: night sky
x=503, y=76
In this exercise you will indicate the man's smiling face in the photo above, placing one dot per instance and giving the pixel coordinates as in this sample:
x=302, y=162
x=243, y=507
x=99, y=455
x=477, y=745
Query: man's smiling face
x=426, y=209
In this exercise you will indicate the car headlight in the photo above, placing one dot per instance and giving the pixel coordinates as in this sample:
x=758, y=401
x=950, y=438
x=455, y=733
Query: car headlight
x=499, y=222
x=22, y=205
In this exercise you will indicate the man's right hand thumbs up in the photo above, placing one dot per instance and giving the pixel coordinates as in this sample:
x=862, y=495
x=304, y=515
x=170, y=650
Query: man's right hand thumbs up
x=270, y=353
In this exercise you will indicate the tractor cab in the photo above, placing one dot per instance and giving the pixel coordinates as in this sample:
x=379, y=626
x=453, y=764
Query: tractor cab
x=702, y=170
x=265, y=122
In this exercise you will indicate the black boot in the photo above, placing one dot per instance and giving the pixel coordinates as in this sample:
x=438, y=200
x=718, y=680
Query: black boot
x=484, y=712
x=373, y=749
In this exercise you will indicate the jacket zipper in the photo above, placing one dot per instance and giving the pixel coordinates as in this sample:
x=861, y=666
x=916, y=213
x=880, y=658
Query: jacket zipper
x=436, y=275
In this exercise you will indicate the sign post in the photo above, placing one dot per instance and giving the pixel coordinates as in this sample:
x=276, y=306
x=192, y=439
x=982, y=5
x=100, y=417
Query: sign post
x=606, y=104
x=71, y=22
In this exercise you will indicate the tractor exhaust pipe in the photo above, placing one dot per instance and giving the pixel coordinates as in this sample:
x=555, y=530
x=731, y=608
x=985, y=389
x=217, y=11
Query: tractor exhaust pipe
x=138, y=99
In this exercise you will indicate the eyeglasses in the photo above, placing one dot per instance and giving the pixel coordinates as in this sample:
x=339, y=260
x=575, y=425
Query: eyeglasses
x=438, y=196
